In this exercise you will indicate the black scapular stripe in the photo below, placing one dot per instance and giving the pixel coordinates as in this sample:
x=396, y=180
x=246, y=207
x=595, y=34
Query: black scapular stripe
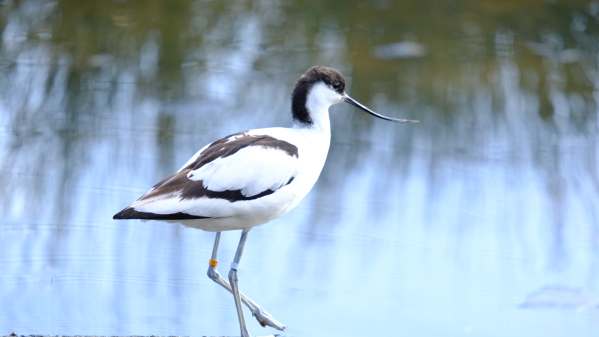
x=226, y=147
x=130, y=213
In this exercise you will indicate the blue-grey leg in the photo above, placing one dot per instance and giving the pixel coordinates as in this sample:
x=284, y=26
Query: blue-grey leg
x=263, y=317
x=233, y=282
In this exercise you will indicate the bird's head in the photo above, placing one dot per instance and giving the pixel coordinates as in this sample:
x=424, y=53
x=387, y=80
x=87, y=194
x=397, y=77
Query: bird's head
x=321, y=87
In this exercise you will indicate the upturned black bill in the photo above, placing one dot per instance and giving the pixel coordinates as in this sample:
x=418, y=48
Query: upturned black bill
x=355, y=103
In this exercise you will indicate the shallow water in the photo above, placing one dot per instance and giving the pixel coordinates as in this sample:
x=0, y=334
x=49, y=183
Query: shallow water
x=481, y=220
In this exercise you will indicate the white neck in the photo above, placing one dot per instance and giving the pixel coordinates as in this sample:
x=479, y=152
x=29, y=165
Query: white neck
x=318, y=101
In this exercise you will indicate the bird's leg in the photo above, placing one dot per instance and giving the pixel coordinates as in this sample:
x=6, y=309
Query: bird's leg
x=233, y=282
x=263, y=317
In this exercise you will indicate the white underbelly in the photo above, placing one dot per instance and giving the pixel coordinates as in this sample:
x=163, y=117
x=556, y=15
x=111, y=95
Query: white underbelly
x=250, y=213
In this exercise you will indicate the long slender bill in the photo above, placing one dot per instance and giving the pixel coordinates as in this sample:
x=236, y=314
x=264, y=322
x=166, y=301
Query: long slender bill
x=355, y=103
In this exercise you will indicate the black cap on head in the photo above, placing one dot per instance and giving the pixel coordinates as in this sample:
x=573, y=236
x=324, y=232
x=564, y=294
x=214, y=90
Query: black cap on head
x=329, y=76
x=335, y=81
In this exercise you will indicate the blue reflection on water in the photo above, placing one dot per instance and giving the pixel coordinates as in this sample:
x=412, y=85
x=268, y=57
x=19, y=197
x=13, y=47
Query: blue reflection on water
x=481, y=220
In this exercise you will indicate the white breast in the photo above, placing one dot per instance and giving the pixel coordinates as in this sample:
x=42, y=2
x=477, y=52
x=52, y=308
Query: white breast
x=313, y=147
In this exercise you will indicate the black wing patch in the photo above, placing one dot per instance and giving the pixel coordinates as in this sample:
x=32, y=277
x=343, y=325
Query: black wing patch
x=191, y=189
x=226, y=147
x=130, y=213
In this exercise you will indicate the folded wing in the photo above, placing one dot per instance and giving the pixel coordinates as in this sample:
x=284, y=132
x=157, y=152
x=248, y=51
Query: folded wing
x=234, y=169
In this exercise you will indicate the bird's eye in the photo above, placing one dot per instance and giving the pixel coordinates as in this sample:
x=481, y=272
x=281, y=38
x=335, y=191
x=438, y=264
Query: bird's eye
x=338, y=85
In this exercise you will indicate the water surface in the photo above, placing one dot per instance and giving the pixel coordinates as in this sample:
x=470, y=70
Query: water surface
x=481, y=220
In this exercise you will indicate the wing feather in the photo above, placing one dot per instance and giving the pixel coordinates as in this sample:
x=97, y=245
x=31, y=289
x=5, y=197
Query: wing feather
x=239, y=167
